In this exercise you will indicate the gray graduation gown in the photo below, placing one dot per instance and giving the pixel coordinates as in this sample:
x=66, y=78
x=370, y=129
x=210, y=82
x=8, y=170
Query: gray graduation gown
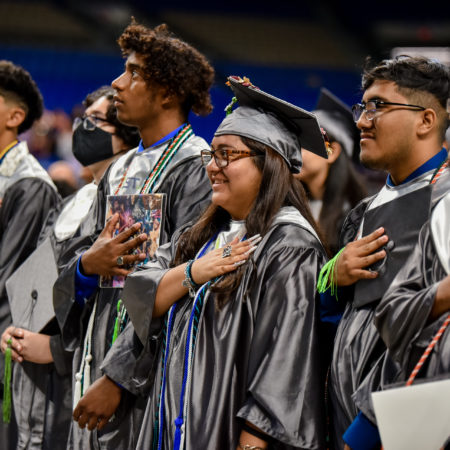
x=42, y=393
x=27, y=195
x=402, y=315
x=187, y=187
x=256, y=359
x=358, y=346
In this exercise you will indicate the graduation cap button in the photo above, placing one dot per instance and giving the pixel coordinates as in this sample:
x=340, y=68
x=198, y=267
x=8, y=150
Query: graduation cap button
x=34, y=294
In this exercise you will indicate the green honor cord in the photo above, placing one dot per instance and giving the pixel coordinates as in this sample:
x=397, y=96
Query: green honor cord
x=7, y=384
x=120, y=318
x=326, y=276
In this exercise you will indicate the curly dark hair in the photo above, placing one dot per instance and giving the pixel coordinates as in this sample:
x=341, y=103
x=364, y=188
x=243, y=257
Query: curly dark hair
x=16, y=85
x=416, y=77
x=172, y=63
x=129, y=135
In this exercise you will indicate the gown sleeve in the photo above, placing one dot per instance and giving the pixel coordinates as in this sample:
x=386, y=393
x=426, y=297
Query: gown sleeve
x=283, y=399
x=403, y=312
x=68, y=310
x=132, y=358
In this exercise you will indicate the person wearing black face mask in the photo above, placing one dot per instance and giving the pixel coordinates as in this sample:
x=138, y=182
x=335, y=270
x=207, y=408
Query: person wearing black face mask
x=98, y=139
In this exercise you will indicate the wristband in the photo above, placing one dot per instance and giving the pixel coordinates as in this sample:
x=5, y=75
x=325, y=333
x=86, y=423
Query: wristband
x=188, y=281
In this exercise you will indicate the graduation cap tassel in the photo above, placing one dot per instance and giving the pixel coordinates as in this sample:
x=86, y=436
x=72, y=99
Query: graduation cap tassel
x=7, y=384
x=326, y=276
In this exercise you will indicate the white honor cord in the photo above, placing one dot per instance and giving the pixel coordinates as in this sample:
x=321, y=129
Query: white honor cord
x=84, y=374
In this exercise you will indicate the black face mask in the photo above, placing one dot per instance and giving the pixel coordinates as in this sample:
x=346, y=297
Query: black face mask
x=90, y=147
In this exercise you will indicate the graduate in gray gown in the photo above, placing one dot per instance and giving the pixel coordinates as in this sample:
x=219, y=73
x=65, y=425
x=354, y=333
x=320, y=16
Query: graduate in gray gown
x=164, y=79
x=402, y=119
x=417, y=303
x=414, y=309
x=27, y=193
x=231, y=301
x=42, y=383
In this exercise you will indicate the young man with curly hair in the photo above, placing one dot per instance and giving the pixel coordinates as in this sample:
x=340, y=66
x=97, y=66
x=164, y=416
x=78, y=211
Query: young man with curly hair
x=26, y=191
x=164, y=79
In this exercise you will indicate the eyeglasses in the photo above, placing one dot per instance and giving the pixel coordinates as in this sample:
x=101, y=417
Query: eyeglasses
x=370, y=108
x=89, y=122
x=224, y=156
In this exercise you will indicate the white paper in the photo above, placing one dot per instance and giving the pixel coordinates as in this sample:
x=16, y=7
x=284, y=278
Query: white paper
x=414, y=417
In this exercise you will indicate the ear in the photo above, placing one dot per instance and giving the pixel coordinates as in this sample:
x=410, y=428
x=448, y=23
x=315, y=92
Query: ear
x=16, y=116
x=336, y=151
x=167, y=99
x=427, y=121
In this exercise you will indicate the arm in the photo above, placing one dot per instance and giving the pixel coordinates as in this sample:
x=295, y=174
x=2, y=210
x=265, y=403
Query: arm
x=442, y=300
x=405, y=309
x=253, y=437
x=203, y=269
x=103, y=397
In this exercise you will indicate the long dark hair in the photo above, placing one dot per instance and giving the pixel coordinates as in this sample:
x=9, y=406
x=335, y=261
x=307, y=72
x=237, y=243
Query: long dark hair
x=343, y=185
x=278, y=188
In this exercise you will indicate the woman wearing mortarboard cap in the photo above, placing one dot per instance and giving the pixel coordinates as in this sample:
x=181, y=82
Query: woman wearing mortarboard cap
x=234, y=295
x=333, y=186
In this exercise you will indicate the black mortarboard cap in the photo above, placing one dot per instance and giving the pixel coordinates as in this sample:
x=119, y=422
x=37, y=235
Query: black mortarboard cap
x=284, y=127
x=337, y=120
x=30, y=289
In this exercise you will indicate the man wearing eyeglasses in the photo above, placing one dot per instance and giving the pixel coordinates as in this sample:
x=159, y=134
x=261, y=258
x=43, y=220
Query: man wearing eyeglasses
x=402, y=119
x=163, y=80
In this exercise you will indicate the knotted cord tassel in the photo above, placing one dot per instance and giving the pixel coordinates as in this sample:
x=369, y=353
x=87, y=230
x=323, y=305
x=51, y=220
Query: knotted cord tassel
x=7, y=384
x=326, y=276
x=77, y=391
x=87, y=373
x=83, y=376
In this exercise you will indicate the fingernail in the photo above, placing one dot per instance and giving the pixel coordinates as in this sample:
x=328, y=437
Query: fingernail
x=256, y=236
x=251, y=250
x=256, y=241
x=239, y=263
